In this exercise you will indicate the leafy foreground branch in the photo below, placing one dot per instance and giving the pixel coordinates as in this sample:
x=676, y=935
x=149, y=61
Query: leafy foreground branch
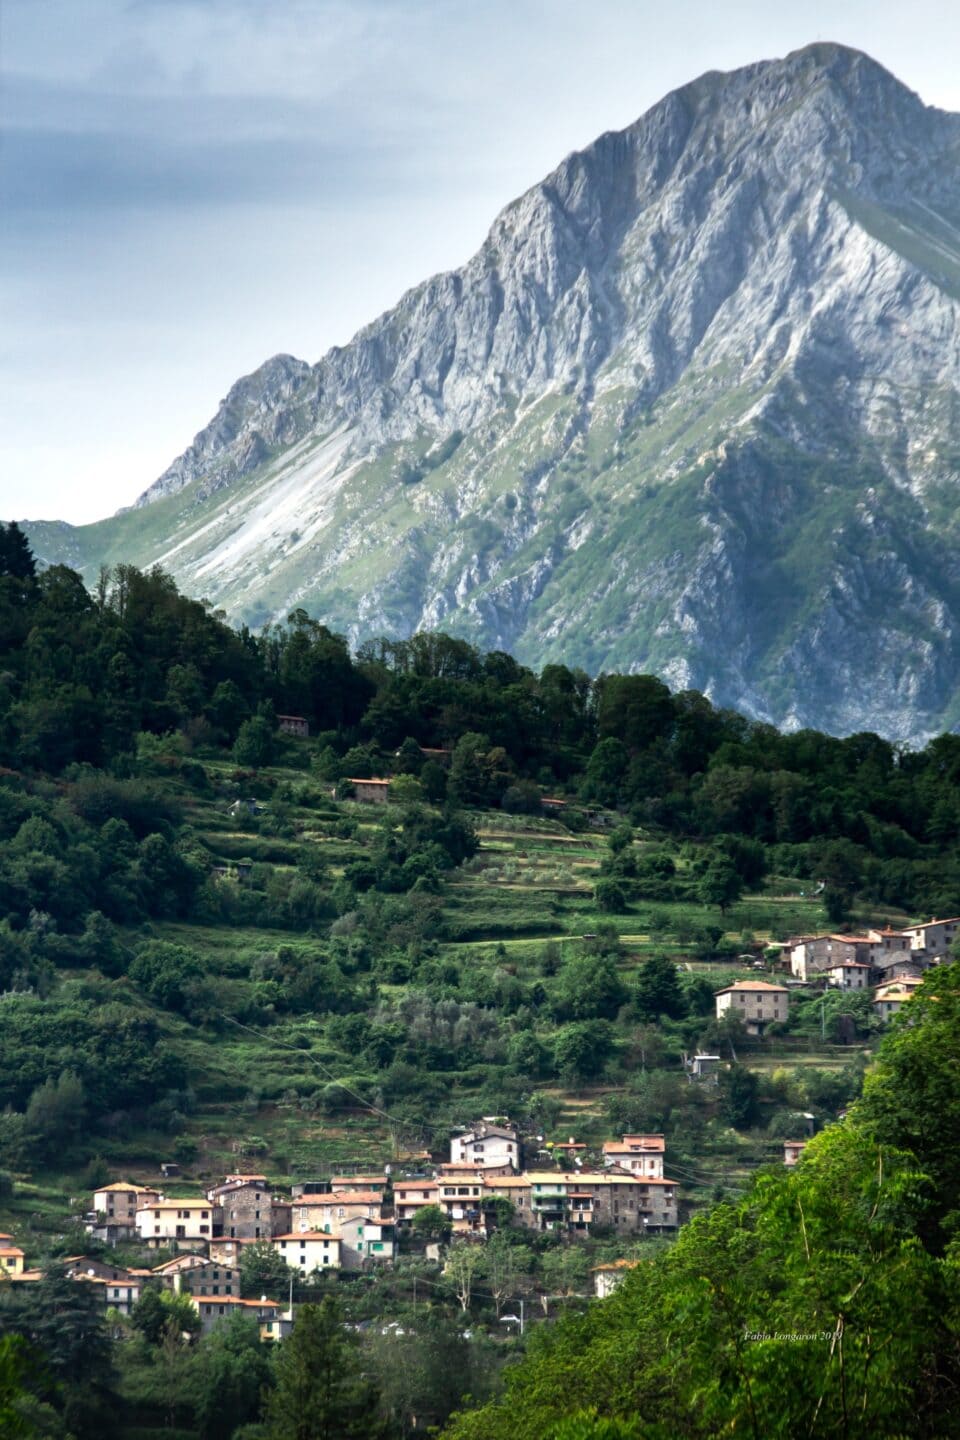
x=826, y=1303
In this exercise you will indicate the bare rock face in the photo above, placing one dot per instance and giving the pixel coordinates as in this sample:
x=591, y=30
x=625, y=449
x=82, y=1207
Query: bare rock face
x=694, y=407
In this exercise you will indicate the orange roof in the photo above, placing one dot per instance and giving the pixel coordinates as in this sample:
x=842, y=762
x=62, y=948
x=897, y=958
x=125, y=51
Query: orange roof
x=177, y=1202
x=235, y=1300
x=360, y=780
x=618, y=1265
x=754, y=985
x=10, y=1250
x=925, y=924
x=341, y=1197
x=124, y=1186
x=307, y=1235
x=514, y=1182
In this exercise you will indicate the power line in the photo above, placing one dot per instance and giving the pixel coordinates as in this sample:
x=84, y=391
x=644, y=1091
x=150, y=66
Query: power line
x=308, y=1055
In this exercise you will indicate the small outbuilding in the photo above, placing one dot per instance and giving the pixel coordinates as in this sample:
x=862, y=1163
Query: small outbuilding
x=296, y=725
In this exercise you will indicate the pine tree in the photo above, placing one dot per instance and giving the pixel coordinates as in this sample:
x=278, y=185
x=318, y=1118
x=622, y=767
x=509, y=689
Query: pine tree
x=320, y=1392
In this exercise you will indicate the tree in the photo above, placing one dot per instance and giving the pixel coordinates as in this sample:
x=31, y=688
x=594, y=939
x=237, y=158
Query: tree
x=659, y=991
x=405, y=790
x=254, y=745
x=13, y=1371
x=566, y=1270
x=610, y=897
x=320, y=1392
x=262, y=1269
x=580, y=1050
x=161, y=1313
x=605, y=772
x=588, y=988
x=502, y=1269
x=62, y=1319
x=912, y=1100
x=423, y=1373
x=720, y=884
x=739, y=1092
x=231, y=1372
x=55, y=1114
x=463, y=1262
x=431, y=1222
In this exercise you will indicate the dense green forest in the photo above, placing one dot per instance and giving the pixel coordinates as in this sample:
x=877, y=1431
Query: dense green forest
x=210, y=951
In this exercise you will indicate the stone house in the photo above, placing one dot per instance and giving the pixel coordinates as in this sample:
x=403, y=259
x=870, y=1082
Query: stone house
x=214, y=1310
x=293, y=725
x=849, y=975
x=633, y=1204
x=935, y=937
x=228, y=1252
x=119, y=1202
x=573, y=1203
x=198, y=1275
x=757, y=1002
x=88, y=1267
x=246, y=1205
x=370, y=792
x=377, y=1183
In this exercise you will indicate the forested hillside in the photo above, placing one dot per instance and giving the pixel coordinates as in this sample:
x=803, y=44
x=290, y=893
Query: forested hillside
x=213, y=952
x=826, y=1303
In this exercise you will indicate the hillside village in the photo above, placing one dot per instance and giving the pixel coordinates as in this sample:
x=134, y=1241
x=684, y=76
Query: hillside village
x=494, y=1175
x=357, y=1222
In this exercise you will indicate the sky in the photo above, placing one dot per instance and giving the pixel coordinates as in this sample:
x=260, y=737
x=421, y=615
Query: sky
x=190, y=186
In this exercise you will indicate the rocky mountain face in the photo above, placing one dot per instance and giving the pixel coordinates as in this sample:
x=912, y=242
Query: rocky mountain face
x=693, y=408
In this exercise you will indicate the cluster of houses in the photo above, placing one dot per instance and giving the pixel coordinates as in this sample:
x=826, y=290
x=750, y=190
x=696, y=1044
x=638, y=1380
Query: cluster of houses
x=352, y=1222
x=889, y=963
x=627, y=1193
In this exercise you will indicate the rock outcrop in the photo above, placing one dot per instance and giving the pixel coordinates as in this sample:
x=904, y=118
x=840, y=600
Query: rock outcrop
x=694, y=407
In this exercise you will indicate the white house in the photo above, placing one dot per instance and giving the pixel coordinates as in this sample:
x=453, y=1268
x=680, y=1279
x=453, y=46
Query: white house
x=308, y=1251
x=186, y=1222
x=849, y=975
x=486, y=1146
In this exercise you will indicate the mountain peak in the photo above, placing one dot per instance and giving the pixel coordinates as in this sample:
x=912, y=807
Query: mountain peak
x=693, y=407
